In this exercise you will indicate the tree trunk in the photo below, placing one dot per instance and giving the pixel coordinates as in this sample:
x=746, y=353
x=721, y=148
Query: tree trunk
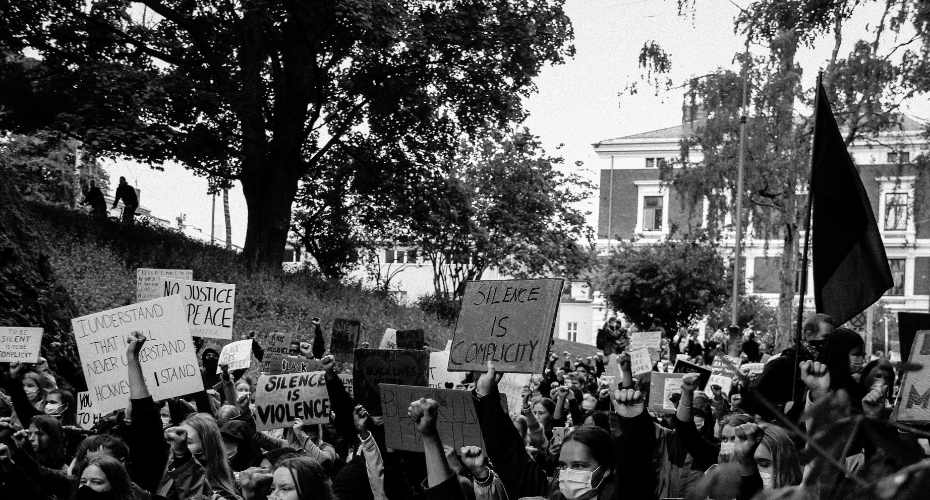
x=789, y=267
x=228, y=222
x=269, y=193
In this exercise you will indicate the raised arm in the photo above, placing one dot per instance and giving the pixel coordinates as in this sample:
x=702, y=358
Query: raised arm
x=440, y=480
x=148, y=451
x=704, y=452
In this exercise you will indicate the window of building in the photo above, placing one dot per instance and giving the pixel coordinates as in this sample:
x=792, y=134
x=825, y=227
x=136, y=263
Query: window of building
x=897, y=274
x=571, y=331
x=650, y=162
x=656, y=162
x=896, y=211
x=899, y=157
x=652, y=208
x=652, y=213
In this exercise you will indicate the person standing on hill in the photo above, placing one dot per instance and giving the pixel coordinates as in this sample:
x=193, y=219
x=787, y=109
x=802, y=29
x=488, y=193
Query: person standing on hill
x=126, y=193
x=94, y=197
x=319, y=344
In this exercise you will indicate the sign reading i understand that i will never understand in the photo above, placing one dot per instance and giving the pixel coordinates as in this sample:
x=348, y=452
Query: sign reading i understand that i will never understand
x=209, y=306
x=169, y=363
x=457, y=419
x=509, y=322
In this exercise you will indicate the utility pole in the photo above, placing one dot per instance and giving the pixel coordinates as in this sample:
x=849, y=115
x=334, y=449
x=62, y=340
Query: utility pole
x=213, y=220
x=738, y=216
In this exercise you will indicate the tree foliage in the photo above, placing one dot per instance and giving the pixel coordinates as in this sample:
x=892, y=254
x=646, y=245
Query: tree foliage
x=267, y=93
x=669, y=284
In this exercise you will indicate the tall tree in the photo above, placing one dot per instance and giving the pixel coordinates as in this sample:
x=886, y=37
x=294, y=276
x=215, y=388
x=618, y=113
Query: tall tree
x=264, y=92
x=227, y=219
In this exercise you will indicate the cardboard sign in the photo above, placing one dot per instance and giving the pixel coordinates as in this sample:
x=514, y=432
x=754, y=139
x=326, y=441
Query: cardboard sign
x=682, y=366
x=640, y=361
x=724, y=374
x=344, y=336
x=149, y=281
x=281, y=399
x=648, y=340
x=411, y=339
x=20, y=344
x=457, y=421
x=389, y=366
x=87, y=417
x=662, y=387
x=511, y=385
x=509, y=322
x=276, y=346
x=438, y=374
x=209, y=306
x=169, y=363
x=913, y=403
x=237, y=355
x=297, y=364
x=347, y=382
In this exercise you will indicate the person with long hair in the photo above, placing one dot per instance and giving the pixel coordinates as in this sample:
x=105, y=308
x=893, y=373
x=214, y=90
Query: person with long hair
x=59, y=403
x=198, y=463
x=104, y=478
x=777, y=459
x=36, y=388
x=585, y=467
x=300, y=478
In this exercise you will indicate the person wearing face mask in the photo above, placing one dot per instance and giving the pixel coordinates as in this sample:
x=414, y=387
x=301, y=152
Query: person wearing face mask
x=36, y=388
x=104, y=478
x=777, y=459
x=59, y=403
x=209, y=361
x=844, y=355
x=585, y=467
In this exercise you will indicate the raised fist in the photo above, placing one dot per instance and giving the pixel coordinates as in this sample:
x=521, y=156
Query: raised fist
x=628, y=403
x=424, y=413
x=134, y=344
x=689, y=382
x=360, y=418
x=474, y=459
x=816, y=377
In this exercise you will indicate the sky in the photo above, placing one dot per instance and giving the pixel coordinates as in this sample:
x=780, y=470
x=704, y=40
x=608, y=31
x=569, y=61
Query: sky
x=577, y=103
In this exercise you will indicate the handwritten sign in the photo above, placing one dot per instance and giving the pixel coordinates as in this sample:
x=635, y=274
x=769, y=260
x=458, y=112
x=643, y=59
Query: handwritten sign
x=281, y=399
x=87, y=417
x=512, y=385
x=913, y=403
x=389, y=339
x=20, y=344
x=457, y=419
x=682, y=366
x=724, y=374
x=276, y=345
x=169, y=363
x=297, y=364
x=509, y=322
x=347, y=382
x=411, y=339
x=344, y=336
x=209, y=306
x=661, y=389
x=438, y=374
x=648, y=340
x=640, y=361
x=390, y=366
x=237, y=355
x=149, y=281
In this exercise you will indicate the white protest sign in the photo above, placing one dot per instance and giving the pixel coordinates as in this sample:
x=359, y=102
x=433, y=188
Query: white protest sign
x=149, y=281
x=237, y=355
x=511, y=385
x=209, y=306
x=650, y=340
x=87, y=416
x=725, y=383
x=389, y=339
x=20, y=344
x=281, y=399
x=169, y=363
x=438, y=374
x=640, y=361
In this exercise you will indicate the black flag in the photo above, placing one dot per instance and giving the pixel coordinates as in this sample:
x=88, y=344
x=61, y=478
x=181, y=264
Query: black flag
x=850, y=267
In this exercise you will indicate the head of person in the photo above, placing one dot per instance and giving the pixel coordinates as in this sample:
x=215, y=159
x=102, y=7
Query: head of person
x=879, y=370
x=581, y=372
x=271, y=459
x=701, y=417
x=598, y=419
x=104, y=477
x=36, y=386
x=543, y=411
x=575, y=381
x=122, y=180
x=101, y=445
x=243, y=390
x=59, y=403
x=226, y=414
x=585, y=462
x=210, y=359
x=814, y=333
x=46, y=438
x=300, y=478
x=728, y=435
x=205, y=444
x=777, y=459
x=844, y=355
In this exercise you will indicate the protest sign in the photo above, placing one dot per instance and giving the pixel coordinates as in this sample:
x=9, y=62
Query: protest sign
x=661, y=389
x=20, y=344
x=509, y=322
x=724, y=373
x=87, y=416
x=149, y=281
x=389, y=339
x=913, y=403
x=209, y=306
x=297, y=364
x=438, y=374
x=411, y=339
x=344, y=336
x=169, y=364
x=281, y=399
x=457, y=420
x=511, y=385
x=682, y=366
x=347, y=382
x=237, y=355
x=649, y=340
x=752, y=368
x=390, y=366
x=276, y=346
x=640, y=361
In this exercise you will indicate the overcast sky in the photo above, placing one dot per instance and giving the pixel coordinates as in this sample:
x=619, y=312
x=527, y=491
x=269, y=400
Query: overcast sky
x=577, y=103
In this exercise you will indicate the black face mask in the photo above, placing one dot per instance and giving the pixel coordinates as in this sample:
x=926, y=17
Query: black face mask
x=85, y=493
x=815, y=348
x=210, y=364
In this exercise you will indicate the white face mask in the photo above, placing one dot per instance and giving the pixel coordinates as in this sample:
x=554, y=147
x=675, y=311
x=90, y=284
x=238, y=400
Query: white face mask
x=767, y=481
x=54, y=409
x=575, y=483
x=726, y=451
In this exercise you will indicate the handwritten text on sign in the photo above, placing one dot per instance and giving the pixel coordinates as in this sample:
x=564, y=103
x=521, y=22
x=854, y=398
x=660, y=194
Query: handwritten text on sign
x=914, y=398
x=87, y=416
x=209, y=306
x=508, y=322
x=457, y=420
x=20, y=345
x=149, y=281
x=169, y=363
x=276, y=345
x=281, y=399
x=237, y=355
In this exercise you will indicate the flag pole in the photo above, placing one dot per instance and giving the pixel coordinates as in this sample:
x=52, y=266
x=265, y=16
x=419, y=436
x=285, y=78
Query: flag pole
x=799, y=320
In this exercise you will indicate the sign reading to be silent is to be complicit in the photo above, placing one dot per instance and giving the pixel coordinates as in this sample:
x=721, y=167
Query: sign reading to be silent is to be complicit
x=508, y=322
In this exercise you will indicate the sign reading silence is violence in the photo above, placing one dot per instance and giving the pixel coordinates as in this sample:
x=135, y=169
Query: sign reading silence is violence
x=281, y=399
x=509, y=322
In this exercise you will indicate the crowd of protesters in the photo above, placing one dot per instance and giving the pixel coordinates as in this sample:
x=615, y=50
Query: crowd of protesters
x=580, y=435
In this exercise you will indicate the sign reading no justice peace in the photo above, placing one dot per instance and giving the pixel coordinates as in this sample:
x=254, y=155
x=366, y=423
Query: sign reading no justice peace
x=509, y=322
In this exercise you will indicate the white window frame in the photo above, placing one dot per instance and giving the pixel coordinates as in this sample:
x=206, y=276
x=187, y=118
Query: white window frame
x=571, y=331
x=903, y=185
x=651, y=188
